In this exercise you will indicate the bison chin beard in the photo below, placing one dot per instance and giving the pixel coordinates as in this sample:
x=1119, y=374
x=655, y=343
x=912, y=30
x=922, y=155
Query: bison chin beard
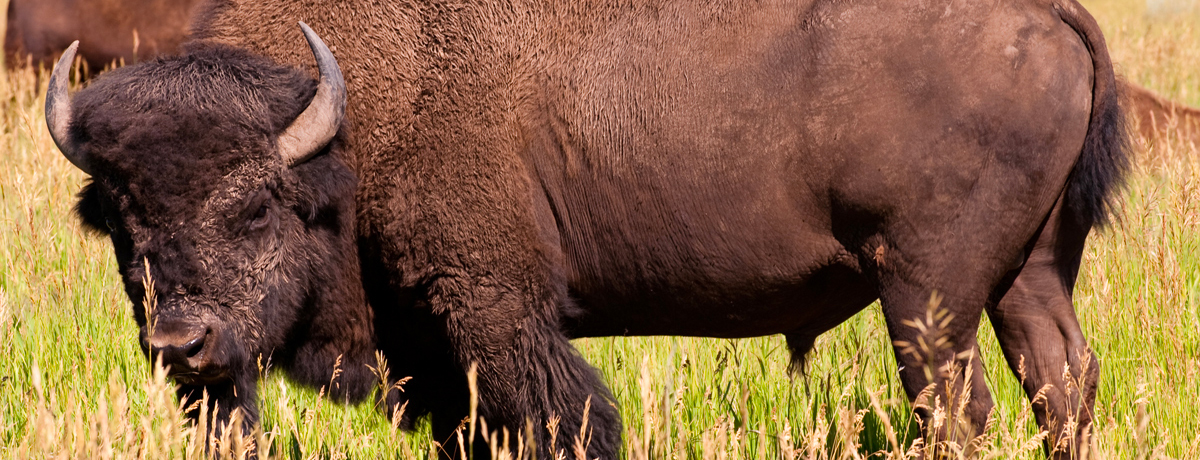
x=331, y=349
x=226, y=405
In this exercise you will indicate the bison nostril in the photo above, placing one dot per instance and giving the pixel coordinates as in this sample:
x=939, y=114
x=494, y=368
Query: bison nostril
x=177, y=347
x=194, y=346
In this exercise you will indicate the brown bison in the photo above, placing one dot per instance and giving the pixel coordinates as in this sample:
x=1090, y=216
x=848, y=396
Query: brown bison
x=108, y=30
x=510, y=175
x=1157, y=117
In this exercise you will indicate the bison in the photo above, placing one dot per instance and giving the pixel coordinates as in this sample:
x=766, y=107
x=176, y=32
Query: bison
x=491, y=179
x=108, y=30
x=1158, y=118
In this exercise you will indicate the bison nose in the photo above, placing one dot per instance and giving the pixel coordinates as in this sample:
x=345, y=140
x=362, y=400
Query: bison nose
x=180, y=348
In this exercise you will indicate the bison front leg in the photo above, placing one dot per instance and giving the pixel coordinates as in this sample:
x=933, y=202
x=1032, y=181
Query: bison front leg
x=528, y=375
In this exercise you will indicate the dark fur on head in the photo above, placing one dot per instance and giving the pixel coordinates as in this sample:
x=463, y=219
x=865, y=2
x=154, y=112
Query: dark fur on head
x=187, y=179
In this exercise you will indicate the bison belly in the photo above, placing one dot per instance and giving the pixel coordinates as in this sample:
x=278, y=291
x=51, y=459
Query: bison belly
x=717, y=262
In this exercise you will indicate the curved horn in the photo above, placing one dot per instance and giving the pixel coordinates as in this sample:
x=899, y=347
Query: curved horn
x=58, y=110
x=317, y=125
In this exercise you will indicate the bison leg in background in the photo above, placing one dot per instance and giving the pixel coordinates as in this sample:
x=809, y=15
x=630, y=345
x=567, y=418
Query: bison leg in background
x=1036, y=325
x=527, y=371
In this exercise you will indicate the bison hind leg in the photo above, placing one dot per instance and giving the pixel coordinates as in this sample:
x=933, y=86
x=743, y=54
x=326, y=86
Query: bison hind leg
x=1041, y=337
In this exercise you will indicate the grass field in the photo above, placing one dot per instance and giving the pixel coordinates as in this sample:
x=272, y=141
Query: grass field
x=73, y=383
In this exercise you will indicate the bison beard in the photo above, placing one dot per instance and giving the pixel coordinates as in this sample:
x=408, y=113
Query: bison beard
x=509, y=177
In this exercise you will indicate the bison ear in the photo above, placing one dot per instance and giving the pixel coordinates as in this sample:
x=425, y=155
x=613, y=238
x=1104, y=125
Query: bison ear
x=317, y=125
x=89, y=210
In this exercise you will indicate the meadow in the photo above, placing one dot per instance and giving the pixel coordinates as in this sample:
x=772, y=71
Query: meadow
x=74, y=384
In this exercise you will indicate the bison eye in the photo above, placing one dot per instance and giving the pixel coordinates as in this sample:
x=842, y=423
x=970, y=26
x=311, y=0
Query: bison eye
x=259, y=219
x=256, y=213
x=111, y=226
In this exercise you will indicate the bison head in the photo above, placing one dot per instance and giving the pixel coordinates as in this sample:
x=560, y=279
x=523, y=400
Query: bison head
x=216, y=175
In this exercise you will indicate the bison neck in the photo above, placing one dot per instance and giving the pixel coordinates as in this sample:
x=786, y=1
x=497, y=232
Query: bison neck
x=334, y=334
x=331, y=342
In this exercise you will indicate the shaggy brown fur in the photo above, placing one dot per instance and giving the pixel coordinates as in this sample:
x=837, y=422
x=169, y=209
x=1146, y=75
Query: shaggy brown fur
x=108, y=30
x=530, y=172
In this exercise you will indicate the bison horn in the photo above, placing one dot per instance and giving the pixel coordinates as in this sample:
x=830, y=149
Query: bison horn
x=58, y=110
x=314, y=128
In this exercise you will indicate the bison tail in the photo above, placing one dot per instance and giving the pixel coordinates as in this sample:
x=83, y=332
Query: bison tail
x=1105, y=159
